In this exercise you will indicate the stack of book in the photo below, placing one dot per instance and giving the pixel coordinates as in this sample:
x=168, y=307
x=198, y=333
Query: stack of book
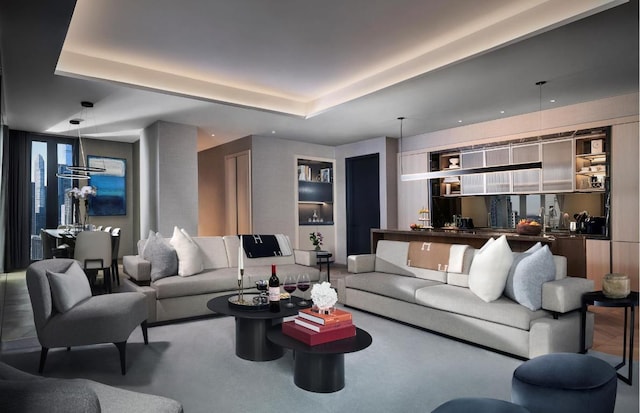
x=313, y=328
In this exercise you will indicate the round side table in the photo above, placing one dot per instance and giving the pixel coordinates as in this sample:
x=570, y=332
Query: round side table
x=598, y=299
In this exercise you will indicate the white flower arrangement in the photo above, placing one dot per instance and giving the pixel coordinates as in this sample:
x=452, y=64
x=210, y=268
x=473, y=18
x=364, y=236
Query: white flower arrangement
x=83, y=192
x=323, y=296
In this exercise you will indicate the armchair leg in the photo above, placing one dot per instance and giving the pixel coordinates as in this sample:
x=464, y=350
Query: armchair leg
x=122, y=349
x=43, y=358
x=143, y=325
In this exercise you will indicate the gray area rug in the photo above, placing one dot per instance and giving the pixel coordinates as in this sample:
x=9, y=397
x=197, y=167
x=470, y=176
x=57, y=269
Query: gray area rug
x=404, y=370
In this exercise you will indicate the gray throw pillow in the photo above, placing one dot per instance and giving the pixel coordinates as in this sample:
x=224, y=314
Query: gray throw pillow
x=161, y=255
x=528, y=272
x=68, y=288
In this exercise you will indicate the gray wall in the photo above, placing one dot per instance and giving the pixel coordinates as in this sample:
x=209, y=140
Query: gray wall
x=168, y=178
x=273, y=170
x=122, y=150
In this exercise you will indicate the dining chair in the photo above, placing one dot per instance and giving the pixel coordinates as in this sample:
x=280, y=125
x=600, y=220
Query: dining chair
x=93, y=251
x=115, y=247
x=107, y=229
x=99, y=228
x=50, y=247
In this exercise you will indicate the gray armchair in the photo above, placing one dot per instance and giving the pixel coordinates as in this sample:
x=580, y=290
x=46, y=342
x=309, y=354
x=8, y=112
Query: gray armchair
x=66, y=315
x=25, y=393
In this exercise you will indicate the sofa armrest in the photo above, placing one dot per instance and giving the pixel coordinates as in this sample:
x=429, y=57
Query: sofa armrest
x=136, y=267
x=305, y=257
x=361, y=263
x=564, y=295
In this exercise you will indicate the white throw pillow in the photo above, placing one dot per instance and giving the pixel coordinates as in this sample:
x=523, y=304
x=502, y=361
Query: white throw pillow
x=68, y=288
x=189, y=256
x=490, y=268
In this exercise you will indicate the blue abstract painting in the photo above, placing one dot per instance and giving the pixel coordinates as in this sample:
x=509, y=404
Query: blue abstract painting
x=111, y=188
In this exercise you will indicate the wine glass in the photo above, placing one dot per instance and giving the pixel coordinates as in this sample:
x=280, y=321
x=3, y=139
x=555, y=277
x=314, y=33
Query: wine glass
x=304, y=282
x=290, y=285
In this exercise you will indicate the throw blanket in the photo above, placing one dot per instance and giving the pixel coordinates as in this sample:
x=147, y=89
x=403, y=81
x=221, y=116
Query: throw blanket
x=258, y=246
x=429, y=255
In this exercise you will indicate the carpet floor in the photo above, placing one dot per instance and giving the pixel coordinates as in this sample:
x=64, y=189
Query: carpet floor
x=404, y=370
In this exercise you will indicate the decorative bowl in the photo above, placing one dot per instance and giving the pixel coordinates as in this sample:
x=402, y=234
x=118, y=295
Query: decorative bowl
x=528, y=229
x=616, y=285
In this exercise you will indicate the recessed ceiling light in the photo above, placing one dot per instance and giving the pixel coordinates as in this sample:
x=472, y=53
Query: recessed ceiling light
x=460, y=121
x=213, y=134
x=502, y=111
x=552, y=100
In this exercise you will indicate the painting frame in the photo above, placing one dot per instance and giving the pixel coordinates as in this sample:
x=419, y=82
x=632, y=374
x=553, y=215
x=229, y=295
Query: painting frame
x=111, y=186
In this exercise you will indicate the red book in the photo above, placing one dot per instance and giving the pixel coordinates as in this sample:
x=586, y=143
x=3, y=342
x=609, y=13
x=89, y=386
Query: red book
x=336, y=316
x=319, y=327
x=312, y=338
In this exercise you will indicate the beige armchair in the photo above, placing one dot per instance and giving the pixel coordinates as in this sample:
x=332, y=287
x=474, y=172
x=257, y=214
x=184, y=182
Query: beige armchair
x=66, y=315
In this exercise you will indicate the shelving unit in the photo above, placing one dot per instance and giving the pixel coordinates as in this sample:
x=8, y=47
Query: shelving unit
x=591, y=162
x=315, y=192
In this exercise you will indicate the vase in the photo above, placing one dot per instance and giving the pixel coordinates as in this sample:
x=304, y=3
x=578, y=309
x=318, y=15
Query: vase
x=317, y=248
x=616, y=286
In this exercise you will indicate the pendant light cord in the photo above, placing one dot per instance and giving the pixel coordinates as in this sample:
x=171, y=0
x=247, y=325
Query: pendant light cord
x=401, y=119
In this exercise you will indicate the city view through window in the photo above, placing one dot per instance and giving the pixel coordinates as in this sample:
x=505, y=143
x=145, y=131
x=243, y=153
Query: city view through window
x=49, y=193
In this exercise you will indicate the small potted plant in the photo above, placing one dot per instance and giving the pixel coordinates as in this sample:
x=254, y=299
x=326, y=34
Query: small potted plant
x=316, y=240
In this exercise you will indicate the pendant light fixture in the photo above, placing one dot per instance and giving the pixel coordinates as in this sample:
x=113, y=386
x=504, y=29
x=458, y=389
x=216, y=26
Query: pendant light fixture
x=82, y=170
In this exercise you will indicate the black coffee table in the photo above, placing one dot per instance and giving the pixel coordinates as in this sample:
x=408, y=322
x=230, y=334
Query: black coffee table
x=252, y=326
x=320, y=368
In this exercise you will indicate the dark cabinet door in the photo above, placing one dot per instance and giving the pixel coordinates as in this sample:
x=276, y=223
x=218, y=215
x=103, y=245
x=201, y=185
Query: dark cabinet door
x=314, y=191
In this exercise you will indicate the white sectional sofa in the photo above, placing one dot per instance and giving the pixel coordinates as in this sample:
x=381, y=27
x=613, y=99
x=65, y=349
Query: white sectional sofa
x=177, y=297
x=385, y=283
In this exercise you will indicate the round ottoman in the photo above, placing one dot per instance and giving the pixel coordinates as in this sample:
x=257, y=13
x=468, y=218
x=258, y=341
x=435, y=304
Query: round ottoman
x=565, y=383
x=479, y=405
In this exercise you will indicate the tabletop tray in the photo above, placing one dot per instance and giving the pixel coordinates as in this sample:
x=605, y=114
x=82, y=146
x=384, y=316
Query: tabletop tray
x=247, y=304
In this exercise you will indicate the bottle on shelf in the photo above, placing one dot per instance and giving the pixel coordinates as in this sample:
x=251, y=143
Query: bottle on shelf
x=274, y=291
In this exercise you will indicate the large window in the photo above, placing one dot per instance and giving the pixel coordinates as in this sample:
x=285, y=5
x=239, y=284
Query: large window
x=49, y=199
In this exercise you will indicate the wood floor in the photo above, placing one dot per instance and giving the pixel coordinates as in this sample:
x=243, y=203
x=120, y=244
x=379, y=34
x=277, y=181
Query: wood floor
x=16, y=319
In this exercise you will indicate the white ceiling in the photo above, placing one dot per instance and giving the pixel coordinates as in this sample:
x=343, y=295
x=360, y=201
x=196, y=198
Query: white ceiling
x=322, y=72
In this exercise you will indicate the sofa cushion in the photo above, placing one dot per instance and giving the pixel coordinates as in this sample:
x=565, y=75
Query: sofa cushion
x=391, y=257
x=208, y=281
x=390, y=285
x=214, y=253
x=461, y=277
x=463, y=301
x=161, y=255
x=68, y=288
x=253, y=274
x=530, y=270
x=490, y=268
x=189, y=255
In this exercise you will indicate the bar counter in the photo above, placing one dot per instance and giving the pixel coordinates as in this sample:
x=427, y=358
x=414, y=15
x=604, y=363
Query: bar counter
x=572, y=247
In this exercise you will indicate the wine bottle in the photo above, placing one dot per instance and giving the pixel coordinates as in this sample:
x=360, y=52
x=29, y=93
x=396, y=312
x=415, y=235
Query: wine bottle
x=274, y=291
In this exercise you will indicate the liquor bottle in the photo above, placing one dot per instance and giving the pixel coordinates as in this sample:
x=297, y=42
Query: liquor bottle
x=274, y=291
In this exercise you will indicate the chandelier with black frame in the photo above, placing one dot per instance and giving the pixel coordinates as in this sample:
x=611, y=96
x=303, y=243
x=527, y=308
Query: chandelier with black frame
x=81, y=171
